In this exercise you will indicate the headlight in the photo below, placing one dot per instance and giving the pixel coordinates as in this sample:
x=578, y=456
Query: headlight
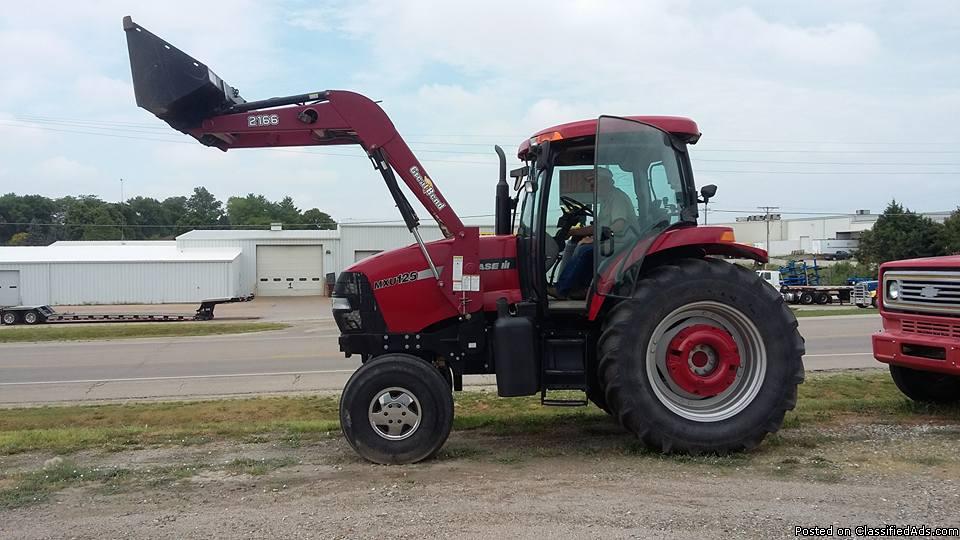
x=338, y=303
x=893, y=290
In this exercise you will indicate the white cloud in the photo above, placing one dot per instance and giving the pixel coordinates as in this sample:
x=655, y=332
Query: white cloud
x=66, y=169
x=469, y=74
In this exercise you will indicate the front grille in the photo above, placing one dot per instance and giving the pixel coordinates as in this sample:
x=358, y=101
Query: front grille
x=860, y=292
x=364, y=315
x=926, y=328
x=927, y=291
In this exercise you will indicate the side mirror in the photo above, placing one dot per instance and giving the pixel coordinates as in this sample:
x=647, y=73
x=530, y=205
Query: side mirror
x=707, y=192
x=518, y=175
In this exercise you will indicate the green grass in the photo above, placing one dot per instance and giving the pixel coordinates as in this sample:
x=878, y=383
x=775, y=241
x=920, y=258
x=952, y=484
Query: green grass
x=67, y=332
x=837, y=311
x=291, y=421
x=258, y=467
x=37, y=486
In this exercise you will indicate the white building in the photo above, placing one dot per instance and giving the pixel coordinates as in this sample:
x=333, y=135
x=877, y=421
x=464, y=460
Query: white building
x=197, y=265
x=814, y=235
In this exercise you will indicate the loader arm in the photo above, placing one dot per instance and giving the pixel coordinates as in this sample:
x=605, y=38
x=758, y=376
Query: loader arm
x=334, y=117
x=182, y=91
x=191, y=98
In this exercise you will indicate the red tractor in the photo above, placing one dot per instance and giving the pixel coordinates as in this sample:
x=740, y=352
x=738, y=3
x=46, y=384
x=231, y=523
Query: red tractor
x=597, y=280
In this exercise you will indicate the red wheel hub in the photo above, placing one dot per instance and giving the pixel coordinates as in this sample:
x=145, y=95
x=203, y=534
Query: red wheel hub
x=703, y=360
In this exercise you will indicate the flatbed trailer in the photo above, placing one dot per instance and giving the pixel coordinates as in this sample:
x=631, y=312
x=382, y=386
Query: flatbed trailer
x=816, y=294
x=47, y=315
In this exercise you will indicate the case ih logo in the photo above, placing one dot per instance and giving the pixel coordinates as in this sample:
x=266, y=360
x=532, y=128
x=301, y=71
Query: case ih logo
x=427, y=186
x=497, y=264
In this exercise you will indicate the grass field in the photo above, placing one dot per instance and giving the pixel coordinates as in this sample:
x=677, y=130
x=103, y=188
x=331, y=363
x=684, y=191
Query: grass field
x=843, y=422
x=85, y=332
x=292, y=419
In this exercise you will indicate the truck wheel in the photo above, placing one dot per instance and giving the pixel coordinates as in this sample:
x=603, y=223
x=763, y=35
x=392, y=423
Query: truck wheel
x=702, y=358
x=9, y=318
x=806, y=298
x=396, y=409
x=822, y=298
x=31, y=317
x=926, y=386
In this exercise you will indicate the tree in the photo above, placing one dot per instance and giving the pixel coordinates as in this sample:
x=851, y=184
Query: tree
x=202, y=210
x=951, y=233
x=253, y=210
x=321, y=220
x=900, y=234
x=19, y=239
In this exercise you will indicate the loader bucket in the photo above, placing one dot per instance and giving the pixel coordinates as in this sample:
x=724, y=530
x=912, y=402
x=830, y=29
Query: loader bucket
x=171, y=84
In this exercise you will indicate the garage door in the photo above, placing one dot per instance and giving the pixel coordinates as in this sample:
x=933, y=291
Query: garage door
x=9, y=287
x=290, y=270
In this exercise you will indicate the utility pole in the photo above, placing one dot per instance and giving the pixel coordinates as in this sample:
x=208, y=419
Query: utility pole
x=766, y=218
x=123, y=218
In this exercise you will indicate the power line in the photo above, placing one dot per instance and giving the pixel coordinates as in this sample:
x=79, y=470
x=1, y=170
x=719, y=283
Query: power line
x=897, y=173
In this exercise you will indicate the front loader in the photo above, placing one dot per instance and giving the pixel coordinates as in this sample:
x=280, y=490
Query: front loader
x=687, y=351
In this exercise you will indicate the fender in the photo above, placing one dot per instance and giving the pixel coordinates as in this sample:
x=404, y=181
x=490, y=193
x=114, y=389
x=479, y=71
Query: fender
x=702, y=240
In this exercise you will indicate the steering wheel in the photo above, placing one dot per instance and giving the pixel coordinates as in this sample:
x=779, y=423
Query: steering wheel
x=573, y=206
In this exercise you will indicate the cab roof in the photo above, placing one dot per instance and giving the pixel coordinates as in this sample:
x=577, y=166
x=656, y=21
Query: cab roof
x=684, y=128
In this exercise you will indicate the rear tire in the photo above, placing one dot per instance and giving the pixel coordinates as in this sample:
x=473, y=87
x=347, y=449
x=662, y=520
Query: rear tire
x=396, y=409
x=822, y=298
x=31, y=317
x=722, y=302
x=9, y=318
x=806, y=298
x=926, y=386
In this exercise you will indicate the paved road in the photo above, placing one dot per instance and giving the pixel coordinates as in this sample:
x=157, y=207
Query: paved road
x=303, y=358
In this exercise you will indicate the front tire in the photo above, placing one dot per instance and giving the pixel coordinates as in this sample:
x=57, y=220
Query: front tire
x=396, y=409
x=702, y=359
x=926, y=386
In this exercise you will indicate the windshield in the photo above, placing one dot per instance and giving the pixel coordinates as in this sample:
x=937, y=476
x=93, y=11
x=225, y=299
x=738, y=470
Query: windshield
x=640, y=189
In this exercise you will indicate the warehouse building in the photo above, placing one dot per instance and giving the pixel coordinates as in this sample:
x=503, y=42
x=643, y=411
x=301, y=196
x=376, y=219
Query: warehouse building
x=198, y=265
x=810, y=235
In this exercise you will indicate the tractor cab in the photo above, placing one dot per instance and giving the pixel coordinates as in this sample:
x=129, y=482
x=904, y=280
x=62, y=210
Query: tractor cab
x=592, y=196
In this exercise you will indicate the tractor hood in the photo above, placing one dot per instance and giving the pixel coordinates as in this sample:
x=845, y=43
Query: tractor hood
x=401, y=288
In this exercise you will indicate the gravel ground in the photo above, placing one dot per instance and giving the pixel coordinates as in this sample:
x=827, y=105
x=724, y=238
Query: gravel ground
x=582, y=482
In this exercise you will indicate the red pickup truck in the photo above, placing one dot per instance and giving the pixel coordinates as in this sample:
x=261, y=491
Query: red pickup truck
x=919, y=301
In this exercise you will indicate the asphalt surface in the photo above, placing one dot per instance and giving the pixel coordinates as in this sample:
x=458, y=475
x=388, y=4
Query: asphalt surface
x=303, y=358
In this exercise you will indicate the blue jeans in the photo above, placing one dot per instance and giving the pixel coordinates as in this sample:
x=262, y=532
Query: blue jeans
x=578, y=271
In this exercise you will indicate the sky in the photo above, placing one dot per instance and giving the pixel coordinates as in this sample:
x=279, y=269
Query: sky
x=807, y=105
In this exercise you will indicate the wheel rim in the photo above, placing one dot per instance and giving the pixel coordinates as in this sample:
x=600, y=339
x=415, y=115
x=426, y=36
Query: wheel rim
x=8, y=318
x=395, y=413
x=706, y=361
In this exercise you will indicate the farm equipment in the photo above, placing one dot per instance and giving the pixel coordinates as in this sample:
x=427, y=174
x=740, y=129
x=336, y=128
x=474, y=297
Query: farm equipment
x=46, y=314
x=800, y=283
x=689, y=352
